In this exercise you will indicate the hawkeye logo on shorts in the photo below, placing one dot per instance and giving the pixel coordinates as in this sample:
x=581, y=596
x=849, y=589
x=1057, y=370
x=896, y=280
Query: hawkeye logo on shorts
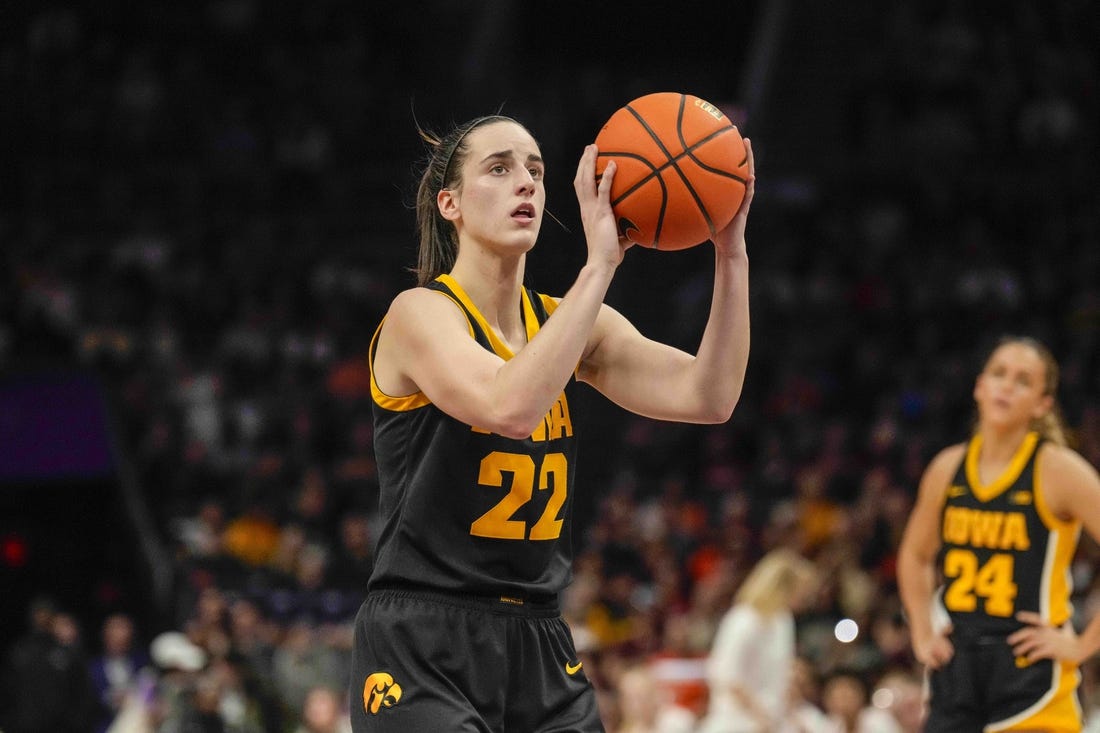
x=380, y=691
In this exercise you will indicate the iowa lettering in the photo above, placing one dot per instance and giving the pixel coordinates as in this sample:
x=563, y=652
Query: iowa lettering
x=991, y=530
x=556, y=424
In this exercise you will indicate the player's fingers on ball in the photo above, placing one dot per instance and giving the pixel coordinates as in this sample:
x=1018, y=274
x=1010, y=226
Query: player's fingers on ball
x=586, y=168
x=607, y=177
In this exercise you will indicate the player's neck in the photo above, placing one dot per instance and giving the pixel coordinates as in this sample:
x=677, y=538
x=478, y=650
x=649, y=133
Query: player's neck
x=999, y=445
x=494, y=286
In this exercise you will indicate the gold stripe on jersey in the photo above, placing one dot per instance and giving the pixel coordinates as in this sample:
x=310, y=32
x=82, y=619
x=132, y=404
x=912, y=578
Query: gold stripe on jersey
x=402, y=403
x=390, y=402
x=1064, y=536
x=549, y=303
x=530, y=321
x=985, y=492
x=1057, y=710
x=448, y=296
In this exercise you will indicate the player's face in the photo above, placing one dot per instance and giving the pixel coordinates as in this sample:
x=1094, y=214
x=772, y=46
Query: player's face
x=502, y=196
x=1011, y=390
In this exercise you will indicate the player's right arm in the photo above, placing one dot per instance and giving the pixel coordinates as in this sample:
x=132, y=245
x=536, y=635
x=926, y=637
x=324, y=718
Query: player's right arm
x=917, y=559
x=425, y=345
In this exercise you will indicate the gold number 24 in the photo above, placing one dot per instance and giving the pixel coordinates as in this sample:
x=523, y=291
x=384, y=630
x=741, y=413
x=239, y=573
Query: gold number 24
x=497, y=523
x=992, y=581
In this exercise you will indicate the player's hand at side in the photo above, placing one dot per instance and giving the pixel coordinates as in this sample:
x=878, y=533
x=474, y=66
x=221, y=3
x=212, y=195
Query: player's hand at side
x=731, y=240
x=594, y=197
x=1038, y=640
x=935, y=650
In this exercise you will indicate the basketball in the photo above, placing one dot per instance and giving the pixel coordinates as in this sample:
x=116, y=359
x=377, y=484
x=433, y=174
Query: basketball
x=682, y=169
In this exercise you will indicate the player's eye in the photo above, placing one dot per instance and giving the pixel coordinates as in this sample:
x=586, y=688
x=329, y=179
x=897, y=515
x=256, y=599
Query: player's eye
x=536, y=173
x=498, y=168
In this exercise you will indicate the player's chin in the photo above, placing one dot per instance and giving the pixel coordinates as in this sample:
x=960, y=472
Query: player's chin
x=523, y=241
x=527, y=231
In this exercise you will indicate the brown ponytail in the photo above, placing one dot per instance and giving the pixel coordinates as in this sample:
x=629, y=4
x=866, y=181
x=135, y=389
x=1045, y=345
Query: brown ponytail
x=442, y=169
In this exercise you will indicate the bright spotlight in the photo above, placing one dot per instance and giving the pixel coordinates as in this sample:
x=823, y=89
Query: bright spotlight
x=846, y=630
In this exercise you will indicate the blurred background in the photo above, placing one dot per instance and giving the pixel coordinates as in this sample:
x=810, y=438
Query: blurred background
x=206, y=208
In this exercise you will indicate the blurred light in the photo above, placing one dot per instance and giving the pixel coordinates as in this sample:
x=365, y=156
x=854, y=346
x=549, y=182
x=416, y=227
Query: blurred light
x=883, y=698
x=846, y=630
x=13, y=550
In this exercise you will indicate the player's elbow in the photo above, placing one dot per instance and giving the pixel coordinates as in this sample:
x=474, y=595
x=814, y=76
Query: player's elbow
x=517, y=430
x=518, y=423
x=712, y=397
x=717, y=417
x=717, y=411
x=710, y=415
x=913, y=557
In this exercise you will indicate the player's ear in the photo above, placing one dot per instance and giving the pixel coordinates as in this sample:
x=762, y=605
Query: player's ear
x=1045, y=406
x=447, y=201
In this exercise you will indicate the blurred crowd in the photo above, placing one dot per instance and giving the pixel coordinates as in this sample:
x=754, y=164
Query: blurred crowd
x=191, y=220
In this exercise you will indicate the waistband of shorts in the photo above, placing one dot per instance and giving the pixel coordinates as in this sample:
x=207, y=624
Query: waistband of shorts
x=973, y=637
x=512, y=604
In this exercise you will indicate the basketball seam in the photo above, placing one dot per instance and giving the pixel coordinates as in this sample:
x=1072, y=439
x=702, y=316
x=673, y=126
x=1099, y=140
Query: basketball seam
x=671, y=162
x=689, y=152
x=660, y=181
x=668, y=161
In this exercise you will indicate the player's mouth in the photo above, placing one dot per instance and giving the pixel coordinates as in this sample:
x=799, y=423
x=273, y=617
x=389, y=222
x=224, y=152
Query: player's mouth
x=524, y=213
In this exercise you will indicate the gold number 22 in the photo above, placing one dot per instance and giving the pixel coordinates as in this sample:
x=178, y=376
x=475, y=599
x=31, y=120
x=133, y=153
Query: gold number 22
x=497, y=523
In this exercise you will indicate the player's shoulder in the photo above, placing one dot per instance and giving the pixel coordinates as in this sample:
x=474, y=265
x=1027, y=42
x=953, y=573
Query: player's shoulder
x=1058, y=460
x=949, y=458
x=940, y=470
x=421, y=303
x=420, y=315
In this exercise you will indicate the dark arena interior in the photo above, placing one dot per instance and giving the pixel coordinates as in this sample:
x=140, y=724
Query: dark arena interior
x=207, y=207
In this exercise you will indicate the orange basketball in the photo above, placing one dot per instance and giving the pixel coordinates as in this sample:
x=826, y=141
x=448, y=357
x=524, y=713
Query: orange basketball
x=682, y=169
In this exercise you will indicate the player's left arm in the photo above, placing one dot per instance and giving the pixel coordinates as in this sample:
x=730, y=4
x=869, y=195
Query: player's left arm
x=663, y=382
x=1071, y=488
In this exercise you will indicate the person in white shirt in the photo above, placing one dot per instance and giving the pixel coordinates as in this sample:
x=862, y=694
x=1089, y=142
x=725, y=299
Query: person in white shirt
x=752, y=656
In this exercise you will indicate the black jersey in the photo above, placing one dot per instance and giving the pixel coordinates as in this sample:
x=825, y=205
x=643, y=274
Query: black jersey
x=1003, y=550
x=465, y=510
